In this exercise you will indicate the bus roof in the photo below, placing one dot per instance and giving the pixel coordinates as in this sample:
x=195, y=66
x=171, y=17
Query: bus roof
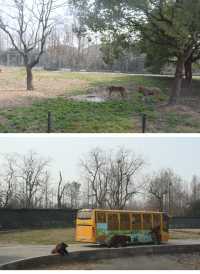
x=126, y=211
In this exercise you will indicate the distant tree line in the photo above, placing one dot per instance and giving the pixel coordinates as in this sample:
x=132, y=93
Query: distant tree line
x=114, y=180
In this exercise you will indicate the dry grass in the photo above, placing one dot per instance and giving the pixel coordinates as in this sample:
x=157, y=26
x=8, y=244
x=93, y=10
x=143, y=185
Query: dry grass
x=47, y=85
x=185, y=234
x=38, y=237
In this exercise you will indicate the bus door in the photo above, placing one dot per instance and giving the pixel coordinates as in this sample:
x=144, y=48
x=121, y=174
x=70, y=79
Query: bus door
x=85, y=227
x=101, y=227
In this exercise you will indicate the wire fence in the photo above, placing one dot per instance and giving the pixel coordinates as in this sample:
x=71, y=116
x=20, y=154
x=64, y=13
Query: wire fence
x=142, y=117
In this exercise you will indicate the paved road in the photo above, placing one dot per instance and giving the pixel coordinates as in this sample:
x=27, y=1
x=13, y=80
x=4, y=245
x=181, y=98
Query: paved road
x=151, y=262
x=18, y=252
x=12, y=253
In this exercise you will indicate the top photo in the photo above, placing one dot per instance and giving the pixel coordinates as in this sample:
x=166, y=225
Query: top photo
x=99, y=66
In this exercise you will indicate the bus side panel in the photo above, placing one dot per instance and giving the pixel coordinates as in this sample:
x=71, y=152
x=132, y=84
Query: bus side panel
x=164, y=237
x=101, y=232
x=85, y=234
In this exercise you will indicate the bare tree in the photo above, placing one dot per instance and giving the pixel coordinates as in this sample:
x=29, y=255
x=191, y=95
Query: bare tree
x=73, y=193
x=124, y=168
x=47, y=190
x=8, y=181
x=158, y=188
x=60, y=191
x=112, y=179
x=195, y=188
x=165, y=187
x=32, y=176
x=96, y=175
x=28, y=25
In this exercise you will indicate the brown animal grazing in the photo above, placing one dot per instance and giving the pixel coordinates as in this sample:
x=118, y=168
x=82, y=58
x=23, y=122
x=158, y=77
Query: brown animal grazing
x=60, y=249
x=120, y=90
x=149, y=91
x=119, y=240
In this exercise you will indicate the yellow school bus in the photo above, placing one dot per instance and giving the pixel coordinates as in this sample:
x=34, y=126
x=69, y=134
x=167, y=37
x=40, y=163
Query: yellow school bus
x=121, y=227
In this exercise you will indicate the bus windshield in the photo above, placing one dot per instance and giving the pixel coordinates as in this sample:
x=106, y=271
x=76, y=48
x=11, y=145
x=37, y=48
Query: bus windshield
x=84, y=215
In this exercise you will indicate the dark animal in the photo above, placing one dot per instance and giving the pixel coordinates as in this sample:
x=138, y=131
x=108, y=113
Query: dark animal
x=156, y=235
x=149, y=91
x=119, y=240
x=60, y=249
x=114, y=89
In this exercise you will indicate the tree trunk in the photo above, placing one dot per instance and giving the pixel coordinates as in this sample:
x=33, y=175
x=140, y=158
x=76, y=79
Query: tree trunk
x=188, y=72
x=177, y=85
x=161, y=205
x=29, y=78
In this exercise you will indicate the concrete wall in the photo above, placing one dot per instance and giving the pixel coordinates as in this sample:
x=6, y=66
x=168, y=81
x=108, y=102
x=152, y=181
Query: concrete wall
x=50, y=218
x=185, y=222
x=47, y=218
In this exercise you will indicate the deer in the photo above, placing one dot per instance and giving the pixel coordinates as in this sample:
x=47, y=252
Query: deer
x=149, y=91
x=117, y=89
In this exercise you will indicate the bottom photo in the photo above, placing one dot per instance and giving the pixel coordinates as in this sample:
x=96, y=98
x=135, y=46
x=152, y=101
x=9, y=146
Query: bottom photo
x=95, y=202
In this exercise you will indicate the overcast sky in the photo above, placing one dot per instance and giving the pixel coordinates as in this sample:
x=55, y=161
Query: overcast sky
x=180, y=154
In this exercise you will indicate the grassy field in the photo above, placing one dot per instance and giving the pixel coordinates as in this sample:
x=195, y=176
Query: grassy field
x=192, y=234
x=21, y=111
x=38, y=237
x=54, y=236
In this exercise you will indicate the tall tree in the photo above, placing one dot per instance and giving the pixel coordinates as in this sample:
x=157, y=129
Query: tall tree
x=32, y=174
x=28, y=25
x=167, y=192
x=97, y=176
x=61, y=191
x=73, y=194
x=112, y=178
x=8, y=180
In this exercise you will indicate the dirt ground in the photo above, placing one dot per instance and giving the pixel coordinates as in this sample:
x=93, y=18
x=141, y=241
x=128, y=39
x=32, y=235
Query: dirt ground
x=47, y=85
x=160, y=262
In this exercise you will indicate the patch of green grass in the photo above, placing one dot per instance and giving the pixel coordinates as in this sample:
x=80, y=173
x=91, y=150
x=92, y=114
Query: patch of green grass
x=38, y=236
x=116, y=116
x=80, y=117
x=181, y=123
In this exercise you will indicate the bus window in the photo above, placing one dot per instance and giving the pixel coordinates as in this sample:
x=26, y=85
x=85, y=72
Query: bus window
x=165, y=223
x=136, y=221
x=113, y=222
x=101, y=217
x=156, y=220
x=84, y=215
x=125, y=221
x=147, y=221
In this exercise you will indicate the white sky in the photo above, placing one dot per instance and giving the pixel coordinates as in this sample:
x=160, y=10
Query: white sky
x=180, y=154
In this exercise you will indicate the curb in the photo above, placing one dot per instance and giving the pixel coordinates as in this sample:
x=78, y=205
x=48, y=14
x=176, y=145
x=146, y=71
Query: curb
x=103, y=253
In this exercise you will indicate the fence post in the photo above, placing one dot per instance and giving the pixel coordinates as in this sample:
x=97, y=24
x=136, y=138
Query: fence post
x=144, y=123
x=49, y=122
